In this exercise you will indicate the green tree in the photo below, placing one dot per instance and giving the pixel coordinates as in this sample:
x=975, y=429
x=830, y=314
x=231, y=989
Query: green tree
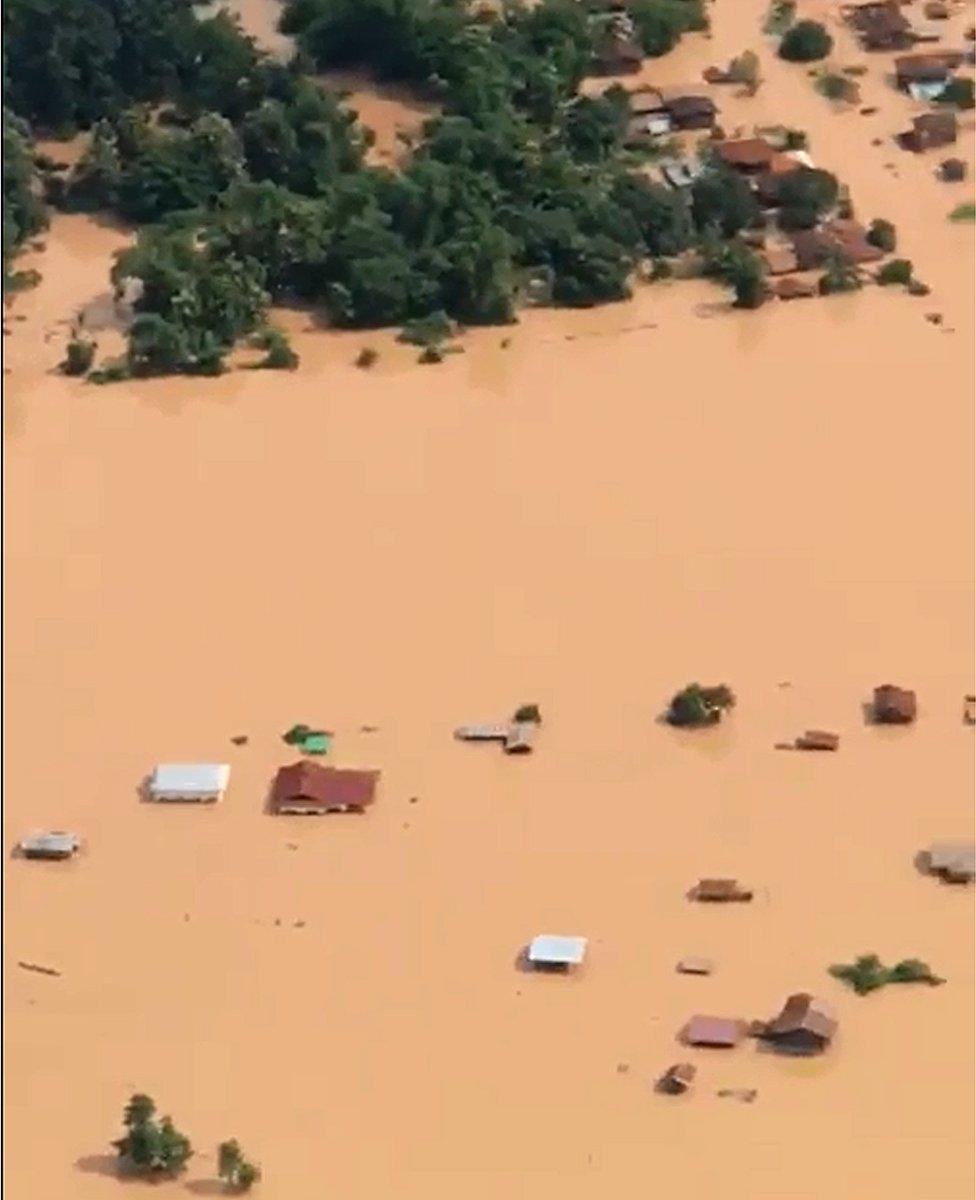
x=899, y=270
x=79, y=356
x=804, y=196
x=695, y=705
x=23, y=212
x=839, y=276
x=234, y=1169
x=722, y=200
x=960, y=91
x=806, y=41
x=882, y=233
x=744, y=69
x=150, y=1146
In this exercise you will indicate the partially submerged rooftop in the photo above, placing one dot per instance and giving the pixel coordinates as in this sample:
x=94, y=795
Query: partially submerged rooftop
x=54, y=844
x=556, y=950
x=199, y=782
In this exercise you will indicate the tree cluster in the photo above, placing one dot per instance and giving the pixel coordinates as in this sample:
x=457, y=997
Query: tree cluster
x=696, y=706
x=23, y=211
x=251, y=187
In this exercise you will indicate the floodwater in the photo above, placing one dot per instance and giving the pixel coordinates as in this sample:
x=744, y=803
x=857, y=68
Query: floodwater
x=611, y=505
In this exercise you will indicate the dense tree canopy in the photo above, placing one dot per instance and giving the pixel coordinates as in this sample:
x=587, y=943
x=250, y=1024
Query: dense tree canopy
x=23, y=212
x=250, y=182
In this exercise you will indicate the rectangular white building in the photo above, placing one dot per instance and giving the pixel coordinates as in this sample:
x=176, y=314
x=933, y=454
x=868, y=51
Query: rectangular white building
x=195, y=783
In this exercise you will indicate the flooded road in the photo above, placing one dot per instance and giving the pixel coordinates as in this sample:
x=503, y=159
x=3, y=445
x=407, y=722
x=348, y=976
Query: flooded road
x=612, y=504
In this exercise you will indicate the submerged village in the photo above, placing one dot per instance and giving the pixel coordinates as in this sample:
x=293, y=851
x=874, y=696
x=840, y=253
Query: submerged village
x=402, y=400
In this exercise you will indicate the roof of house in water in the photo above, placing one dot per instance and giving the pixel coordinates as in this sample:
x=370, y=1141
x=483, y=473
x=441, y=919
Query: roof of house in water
x=713, y=1031
x=920, y=67
x=310, y=784
x=958, y=858
x=691, y=105
x=893, y=703
x=557, y=949
x=745, y=152
x=189, y=779
x=803, y=1013
x=55, y=844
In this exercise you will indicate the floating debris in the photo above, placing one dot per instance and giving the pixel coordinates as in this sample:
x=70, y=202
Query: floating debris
x=240, y=739
x=677, y=1079
x=37, y=968
x=623, y=1068
x=696, y=966
x=817, y=739
x=745, y=1095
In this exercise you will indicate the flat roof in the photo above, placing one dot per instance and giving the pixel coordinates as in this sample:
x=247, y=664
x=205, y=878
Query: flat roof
x=50, y=843
x=190, y=779
x=554, y=948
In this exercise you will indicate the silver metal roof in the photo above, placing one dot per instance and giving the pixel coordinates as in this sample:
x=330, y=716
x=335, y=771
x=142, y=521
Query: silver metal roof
x=554, y=948
x=189, y=779
x=959, y=856
x=54, y=842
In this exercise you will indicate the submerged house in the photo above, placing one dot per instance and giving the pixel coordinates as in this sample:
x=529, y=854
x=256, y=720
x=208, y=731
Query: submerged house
x=53, y=845
x=749, y=156
x=930, y=131
x=955, y=862
x=817, y=739
x=648, y=115
x=720, y=891
x=805, y=1026
x=719, y=1032
x=189, y=783
x=692, y=111
x=893, y=705
x=555, y=951
x=308, y=788
x=880, y=25
x=842, y=239
x=924, y=76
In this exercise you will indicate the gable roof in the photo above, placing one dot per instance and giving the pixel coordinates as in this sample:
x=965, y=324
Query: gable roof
x=745, y=152
x=802, y=1013
x=322, y=788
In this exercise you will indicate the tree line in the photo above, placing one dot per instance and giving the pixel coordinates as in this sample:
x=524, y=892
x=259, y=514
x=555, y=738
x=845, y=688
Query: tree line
x=250, y=185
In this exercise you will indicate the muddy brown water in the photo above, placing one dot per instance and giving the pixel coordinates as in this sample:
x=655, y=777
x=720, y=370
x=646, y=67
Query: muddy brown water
x=616, y=503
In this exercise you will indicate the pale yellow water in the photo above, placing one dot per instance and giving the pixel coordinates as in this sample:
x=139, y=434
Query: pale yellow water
x=616, y=503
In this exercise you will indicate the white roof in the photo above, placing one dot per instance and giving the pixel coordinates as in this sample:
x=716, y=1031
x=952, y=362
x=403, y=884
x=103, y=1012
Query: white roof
x=55, y=842
x=554, y=948
x=189, y=779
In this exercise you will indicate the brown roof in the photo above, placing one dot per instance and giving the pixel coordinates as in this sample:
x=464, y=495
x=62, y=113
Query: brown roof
x=803, y=1014
x=745, y=153
x=818, y=739
x=894, y=704
x=310, y=785
x=921, y=68
x=794, y=289
x=935, y=128
x=618, y=56
x=713, y=1031
x=880, y=24
x=688, y=106
x=720, y=889
x=847, y=239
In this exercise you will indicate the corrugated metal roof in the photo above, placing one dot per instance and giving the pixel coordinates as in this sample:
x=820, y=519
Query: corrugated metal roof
x=555, y=948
